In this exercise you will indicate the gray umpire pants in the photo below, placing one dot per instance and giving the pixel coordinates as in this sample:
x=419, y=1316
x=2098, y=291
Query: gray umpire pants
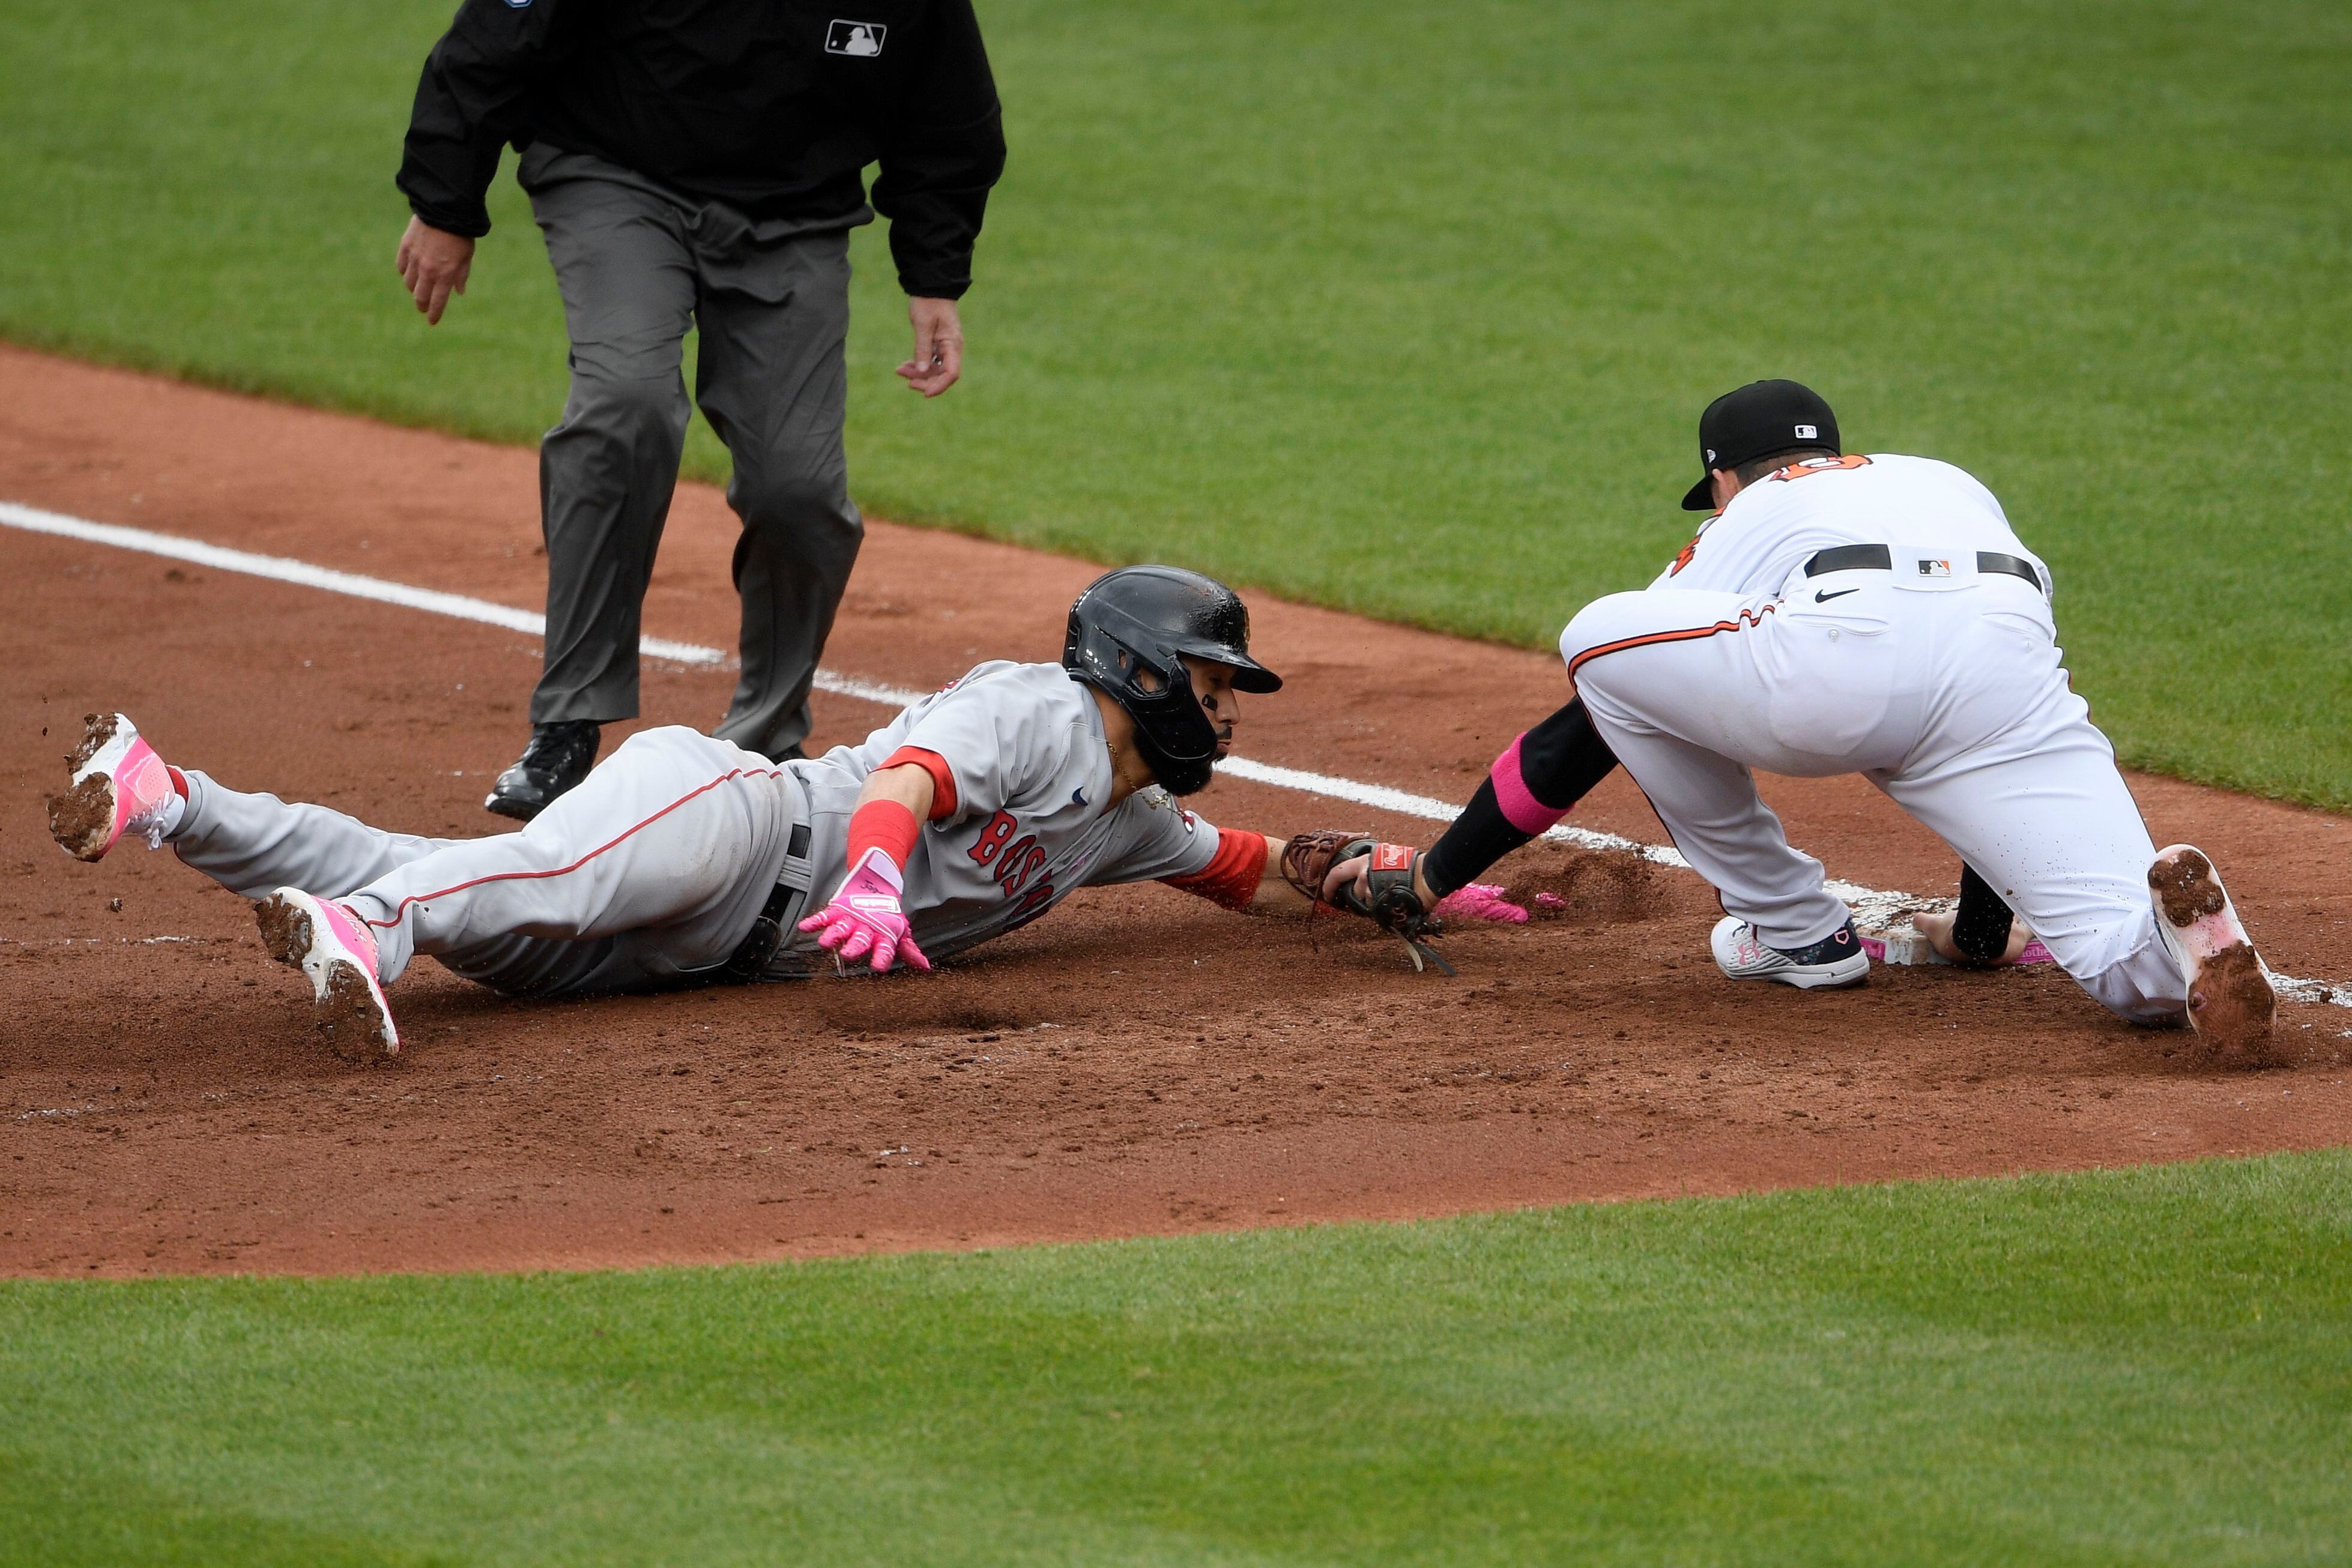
x=636, y=262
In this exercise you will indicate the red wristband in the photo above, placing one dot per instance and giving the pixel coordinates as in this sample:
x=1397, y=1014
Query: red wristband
x=1232, y=876
x=884, y=825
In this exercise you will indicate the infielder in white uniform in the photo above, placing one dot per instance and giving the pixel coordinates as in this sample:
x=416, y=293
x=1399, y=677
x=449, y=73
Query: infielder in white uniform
x=686, y=860
x=1872, y=615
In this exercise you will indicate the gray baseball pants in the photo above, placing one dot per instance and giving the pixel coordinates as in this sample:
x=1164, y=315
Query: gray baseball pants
x=653, y=869
x=637, y=264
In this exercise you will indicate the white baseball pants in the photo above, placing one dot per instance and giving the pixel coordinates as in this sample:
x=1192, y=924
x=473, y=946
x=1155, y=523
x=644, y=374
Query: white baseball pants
x=657, y=864
x=1947, y=696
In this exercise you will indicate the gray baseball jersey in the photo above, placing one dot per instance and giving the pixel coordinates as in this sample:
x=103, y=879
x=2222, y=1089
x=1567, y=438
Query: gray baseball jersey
x=1025, y=746
x=653, y=870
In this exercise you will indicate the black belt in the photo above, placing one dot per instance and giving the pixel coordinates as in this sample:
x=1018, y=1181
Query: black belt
x=1879, y=558
x=750, y=957
x=751, y=954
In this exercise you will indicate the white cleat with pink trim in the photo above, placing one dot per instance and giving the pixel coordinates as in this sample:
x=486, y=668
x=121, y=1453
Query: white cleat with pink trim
x=334, y=947
x=2231, y=1005
x=119, y=786
x=1832, y=964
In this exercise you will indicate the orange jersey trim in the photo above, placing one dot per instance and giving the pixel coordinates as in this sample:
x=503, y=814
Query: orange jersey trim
x=1811, y=465
x=943, y=790
x=1745, y=619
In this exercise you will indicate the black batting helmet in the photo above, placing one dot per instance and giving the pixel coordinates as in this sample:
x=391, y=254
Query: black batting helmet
x=1128, y=633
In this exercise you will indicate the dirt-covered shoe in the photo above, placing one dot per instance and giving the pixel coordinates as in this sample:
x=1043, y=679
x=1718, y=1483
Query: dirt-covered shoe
x=2231, y=1003
x=557, y=758
x=119, y=786
x=1830, y=964
x=334, y=947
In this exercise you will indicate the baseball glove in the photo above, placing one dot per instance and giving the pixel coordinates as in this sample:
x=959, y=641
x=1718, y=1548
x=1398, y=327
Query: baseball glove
x=1390, y=902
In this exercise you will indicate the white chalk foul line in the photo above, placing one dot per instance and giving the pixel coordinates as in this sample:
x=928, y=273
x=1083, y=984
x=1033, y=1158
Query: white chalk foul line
x=1872, y=905
x=281, y=569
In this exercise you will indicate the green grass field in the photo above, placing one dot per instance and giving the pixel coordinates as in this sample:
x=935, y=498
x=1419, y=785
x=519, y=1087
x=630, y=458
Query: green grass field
x=1412, y=308
x=2142, y=1367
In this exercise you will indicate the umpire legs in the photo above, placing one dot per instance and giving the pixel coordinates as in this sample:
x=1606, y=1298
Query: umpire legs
x=773, y=380
x=607, y=470
x=638, y=265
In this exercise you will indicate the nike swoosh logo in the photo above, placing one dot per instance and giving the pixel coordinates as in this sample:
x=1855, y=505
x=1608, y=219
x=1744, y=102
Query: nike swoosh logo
x=1840, y=593
x=1079, y=795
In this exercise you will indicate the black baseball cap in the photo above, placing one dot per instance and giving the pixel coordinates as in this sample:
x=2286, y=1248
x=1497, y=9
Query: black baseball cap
x=1759, y=418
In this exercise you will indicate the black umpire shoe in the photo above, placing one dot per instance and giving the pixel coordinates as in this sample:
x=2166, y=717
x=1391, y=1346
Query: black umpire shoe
x=558, y=757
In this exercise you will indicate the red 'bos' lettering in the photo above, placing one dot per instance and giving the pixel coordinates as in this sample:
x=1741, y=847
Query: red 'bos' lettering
x=1008, y=864
x=1015, y=862
x=1037, y=900
x=1018, y=863
x=992, y=837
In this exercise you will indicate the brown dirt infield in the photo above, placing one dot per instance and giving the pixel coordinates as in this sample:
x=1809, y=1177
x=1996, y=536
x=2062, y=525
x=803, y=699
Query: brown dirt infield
x=1137, y=1062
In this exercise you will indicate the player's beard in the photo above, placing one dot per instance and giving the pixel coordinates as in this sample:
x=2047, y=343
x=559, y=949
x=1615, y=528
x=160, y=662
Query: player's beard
x=1189, y=777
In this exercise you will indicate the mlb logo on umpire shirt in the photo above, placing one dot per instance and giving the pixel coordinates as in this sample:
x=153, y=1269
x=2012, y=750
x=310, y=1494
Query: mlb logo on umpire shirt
x=855, y=37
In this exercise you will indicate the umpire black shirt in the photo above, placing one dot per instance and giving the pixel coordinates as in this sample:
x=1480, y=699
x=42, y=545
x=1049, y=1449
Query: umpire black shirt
x=772, y=106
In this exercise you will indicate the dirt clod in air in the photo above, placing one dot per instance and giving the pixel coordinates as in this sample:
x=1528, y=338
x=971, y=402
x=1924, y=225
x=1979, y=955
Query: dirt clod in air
x=1591, y=886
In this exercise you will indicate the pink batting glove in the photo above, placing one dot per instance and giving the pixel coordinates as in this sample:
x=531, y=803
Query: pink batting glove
x=1481, y=901
x=865, y=920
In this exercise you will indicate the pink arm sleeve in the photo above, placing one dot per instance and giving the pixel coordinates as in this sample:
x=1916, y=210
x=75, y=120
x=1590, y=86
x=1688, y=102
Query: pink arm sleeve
x=1520, y=807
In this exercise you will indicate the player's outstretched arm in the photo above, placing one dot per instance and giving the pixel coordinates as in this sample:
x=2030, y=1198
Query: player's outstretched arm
x=1244, y=876
x=906, y=785
x=1532, y=785
x=1275, y=894
x=1251, y=876
x=866, y=918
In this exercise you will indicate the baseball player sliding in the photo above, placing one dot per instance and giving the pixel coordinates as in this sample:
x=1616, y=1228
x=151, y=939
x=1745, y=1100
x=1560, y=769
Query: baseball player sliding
x=1841, y=614
x=686, y=860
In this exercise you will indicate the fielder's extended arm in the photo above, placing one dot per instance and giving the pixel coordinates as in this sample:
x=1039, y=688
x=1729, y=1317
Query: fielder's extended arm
x=1531, y=785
